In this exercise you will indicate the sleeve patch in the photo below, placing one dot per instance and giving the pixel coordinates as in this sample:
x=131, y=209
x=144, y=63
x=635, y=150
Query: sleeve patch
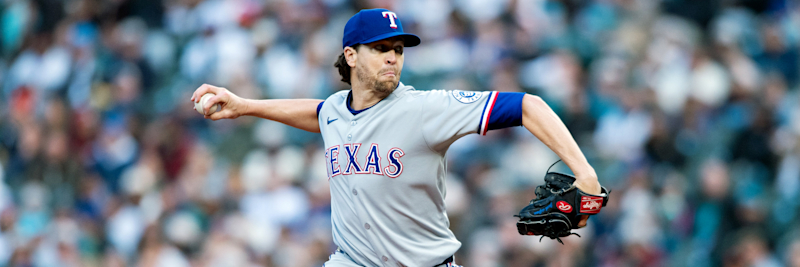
x=467, y=97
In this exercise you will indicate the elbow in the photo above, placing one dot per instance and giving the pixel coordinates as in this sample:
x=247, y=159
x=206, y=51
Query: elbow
x=532, y=102
x=535, y=110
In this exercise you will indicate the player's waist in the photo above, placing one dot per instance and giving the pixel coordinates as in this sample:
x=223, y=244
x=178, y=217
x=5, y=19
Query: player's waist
x=449, y=262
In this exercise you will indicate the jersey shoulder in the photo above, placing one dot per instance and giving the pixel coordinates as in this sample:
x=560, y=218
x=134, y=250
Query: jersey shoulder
x=338, y=95
x=425, y=93
x=439, y=95
x=336, y=98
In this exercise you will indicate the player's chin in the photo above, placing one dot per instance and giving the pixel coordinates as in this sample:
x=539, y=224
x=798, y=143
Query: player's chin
x=387, y=86
x=388, y=78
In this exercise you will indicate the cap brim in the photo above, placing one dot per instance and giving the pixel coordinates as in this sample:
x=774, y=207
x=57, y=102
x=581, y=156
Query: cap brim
x=409, y=40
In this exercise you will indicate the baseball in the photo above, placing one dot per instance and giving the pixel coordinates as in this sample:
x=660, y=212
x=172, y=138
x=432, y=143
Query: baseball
x=199, y=105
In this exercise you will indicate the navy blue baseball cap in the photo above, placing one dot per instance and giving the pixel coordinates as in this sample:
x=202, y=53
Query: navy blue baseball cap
x=370, y=25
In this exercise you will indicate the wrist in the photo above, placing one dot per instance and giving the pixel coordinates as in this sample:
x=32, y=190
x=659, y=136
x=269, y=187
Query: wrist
x=587, y=174
x=587, y=181
x=245, y=107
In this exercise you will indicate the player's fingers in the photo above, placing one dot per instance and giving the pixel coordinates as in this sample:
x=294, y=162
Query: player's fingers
x=214, y=116
x=202, y=90
x=220, y=99
x=584, y=219
x=223, y=114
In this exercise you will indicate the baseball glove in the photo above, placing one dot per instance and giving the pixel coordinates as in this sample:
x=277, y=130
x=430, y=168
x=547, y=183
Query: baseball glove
x=558, y=207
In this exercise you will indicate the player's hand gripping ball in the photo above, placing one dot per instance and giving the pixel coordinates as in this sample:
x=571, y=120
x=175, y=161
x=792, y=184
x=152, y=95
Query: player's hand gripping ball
x=558, y=207
x=199, y=105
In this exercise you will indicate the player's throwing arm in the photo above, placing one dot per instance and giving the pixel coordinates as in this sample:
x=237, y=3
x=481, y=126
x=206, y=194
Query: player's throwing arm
x=298, y=113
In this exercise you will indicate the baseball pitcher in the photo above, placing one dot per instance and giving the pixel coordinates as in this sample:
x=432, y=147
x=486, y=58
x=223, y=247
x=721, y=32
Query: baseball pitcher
x=385, y=146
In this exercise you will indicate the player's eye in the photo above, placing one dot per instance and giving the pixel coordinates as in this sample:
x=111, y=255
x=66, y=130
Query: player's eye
x=381, y=48
x=385, y=48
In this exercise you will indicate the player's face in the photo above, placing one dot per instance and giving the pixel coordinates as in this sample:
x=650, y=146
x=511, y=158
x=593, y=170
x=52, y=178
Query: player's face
x=380, y=63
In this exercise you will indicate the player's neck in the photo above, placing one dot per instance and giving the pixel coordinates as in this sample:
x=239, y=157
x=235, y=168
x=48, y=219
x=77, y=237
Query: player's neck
x=365, y=98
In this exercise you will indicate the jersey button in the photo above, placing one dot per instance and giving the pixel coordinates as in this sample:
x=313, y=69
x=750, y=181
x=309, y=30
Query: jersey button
x=385, y=258
x=349, y=137
x=353, y=123
x=366, y=225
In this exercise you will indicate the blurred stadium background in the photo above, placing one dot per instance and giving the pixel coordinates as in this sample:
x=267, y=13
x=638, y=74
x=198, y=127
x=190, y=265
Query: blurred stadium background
x=688, y=109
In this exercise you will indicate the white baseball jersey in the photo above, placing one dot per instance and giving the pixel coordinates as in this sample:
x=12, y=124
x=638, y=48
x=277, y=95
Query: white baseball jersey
x=386, y=168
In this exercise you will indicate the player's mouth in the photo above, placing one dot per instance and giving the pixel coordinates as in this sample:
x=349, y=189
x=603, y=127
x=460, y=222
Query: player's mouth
x=389, y=73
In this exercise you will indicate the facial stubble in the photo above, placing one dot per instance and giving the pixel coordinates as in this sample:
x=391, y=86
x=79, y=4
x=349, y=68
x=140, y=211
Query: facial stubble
x=382, y=89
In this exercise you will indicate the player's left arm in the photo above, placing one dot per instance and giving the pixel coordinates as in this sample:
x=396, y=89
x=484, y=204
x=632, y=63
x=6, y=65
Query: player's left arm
x=543, y=123
x=449, y=115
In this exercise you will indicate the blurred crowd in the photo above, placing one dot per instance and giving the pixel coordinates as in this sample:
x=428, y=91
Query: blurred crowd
x=688, y=110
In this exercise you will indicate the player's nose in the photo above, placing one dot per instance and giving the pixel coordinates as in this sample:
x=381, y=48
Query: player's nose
x=391, y=57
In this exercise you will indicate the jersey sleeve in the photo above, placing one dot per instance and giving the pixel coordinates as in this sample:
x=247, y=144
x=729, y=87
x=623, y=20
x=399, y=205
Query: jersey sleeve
x=506, y=111
x=319, y=107
x=449, y=115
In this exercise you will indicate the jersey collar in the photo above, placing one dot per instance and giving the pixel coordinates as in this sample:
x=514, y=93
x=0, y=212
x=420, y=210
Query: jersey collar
x=353, y=111
x=400, y=87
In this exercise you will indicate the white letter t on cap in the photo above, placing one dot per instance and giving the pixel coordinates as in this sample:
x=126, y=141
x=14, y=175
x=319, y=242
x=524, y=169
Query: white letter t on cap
x=392, y=16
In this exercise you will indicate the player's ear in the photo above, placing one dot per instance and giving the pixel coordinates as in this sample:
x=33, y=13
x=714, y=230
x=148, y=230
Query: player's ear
x=350, y=56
